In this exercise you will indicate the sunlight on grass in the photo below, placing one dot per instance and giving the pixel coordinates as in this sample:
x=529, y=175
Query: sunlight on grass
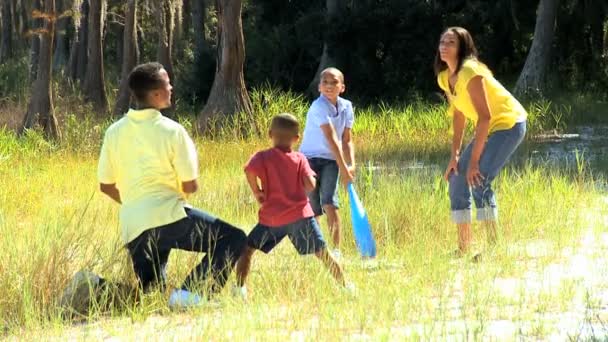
x=54, y=222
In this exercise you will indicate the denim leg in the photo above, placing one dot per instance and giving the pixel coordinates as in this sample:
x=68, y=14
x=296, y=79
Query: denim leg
x=497, y=151
x=460, y=194
x=222, y=243
x=149, y=261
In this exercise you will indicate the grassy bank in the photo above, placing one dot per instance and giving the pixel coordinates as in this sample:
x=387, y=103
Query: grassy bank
x=54, y=222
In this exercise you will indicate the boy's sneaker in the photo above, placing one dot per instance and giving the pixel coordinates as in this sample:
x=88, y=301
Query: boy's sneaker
x=239, y=292
x=350, y=289
x=182, y=299
x=370, y=263
x=336, y=254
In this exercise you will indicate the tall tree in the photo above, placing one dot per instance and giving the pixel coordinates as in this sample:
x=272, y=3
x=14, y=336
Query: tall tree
x=94, y=84
x=77, y=64
x=130, y=57
x=199, y=14
x=178, y=31
x=228, y=93
x=6, y=43
x=40, y=108
x=327, y=56
x=533, y=75
x=165, y=15
x=35, y=46
x=23, y=10
x=60, y=56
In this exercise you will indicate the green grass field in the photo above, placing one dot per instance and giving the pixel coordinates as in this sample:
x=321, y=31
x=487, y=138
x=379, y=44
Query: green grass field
x=54, y=222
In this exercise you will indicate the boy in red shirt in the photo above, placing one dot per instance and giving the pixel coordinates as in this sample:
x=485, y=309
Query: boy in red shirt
x=286, y=178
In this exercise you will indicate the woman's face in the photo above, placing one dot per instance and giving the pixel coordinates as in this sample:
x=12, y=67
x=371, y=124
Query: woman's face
x=448, y=47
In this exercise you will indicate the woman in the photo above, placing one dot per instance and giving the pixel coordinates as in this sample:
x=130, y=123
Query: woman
x=500, y=126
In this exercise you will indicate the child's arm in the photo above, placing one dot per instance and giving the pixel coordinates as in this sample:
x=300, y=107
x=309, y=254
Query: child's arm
x=332, y=139
x=252, y=179
x=348, y=147
x=309, y=183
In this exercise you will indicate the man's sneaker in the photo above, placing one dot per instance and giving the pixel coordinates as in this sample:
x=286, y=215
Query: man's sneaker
x=336, y=254
x=239, y=292
x=181, y=299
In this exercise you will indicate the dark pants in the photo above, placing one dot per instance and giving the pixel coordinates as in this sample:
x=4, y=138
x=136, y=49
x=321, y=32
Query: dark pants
x=199, y=232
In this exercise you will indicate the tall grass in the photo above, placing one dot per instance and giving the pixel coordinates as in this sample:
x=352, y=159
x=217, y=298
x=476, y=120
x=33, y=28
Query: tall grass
x=54, y=222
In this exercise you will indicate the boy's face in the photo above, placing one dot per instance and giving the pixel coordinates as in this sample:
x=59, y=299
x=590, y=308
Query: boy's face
x=161, y=97
x=331, y=85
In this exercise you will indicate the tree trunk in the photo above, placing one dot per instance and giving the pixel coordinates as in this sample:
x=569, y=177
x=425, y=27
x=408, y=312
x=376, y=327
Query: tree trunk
x=532, y=77
x=228, y=94
x=327, y=57
x=130, y=58
x=94, y=85
x=35, y=47
x=186, y=19
x=166, y=20
x=60, y=56
x=14, y=18
x=23, y=19
x=79, y=52
x=6, y=43
x=178, y=31
x=199, y=14
x=40, y=108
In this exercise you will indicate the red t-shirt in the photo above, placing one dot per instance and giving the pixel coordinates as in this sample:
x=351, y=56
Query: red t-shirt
x=282, y=175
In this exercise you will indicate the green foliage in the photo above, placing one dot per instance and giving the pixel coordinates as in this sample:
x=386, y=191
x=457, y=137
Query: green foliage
x=14, y=81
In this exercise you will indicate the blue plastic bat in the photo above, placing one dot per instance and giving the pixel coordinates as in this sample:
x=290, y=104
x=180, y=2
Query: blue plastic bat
x=361, y=227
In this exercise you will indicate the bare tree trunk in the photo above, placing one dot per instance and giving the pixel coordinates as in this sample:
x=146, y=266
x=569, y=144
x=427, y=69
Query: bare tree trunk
x=228, y=94
x=35, y=48
x=327, y=57
x=129, y=58
x=94, y=85
x=60, y=57
x=533, y=75
x=199, y=13
x=79, y=52
x=15, y=17
x=178, y=31
x=186, y=18
x=6, y=43
x=23, y=19
x=40, y=108
x=166, y=21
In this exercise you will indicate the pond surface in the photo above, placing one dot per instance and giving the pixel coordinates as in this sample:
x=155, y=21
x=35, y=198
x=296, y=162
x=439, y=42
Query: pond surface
x=581, y=146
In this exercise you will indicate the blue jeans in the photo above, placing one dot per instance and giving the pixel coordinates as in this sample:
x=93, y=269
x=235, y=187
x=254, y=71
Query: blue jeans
x=497, y=151
x=326, y=189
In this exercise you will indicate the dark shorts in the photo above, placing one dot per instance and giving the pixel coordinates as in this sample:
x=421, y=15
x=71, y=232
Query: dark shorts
x=326, y=191
x=304, y=234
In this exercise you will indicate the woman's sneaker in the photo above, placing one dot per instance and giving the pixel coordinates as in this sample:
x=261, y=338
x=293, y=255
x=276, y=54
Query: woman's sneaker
x=182, y=299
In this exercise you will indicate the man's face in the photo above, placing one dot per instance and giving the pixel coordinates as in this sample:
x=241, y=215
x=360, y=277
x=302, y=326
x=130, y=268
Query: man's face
x=161, y=97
